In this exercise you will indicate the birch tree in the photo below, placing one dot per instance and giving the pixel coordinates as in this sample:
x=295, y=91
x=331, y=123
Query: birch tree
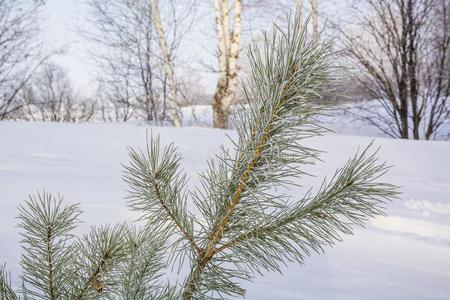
x=299, y=7
x=228, y=29
x=314, y=17
x=136, y=55
x=174, y=109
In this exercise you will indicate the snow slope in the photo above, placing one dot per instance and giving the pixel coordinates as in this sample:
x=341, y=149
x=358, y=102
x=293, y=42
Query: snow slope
x=403, y=256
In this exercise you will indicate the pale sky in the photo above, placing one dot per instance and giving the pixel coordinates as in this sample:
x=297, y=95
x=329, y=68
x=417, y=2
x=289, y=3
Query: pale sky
x=62, y=19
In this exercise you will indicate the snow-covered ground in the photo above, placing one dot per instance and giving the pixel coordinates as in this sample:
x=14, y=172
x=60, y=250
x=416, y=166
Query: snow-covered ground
x=403, y=256
x=341, y=119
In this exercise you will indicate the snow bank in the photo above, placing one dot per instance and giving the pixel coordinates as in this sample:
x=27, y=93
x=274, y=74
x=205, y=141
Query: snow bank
x=403, y=256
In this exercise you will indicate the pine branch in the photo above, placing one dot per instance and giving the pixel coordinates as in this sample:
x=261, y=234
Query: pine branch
x=166, y=293
x=57, y=268
x=98, y=253
x=247, y=225
x=271, y=124
x=137, y=277
x=352, y=196
x=157, y=190
x=284, y=79
x=47, y=226
x=250, y=226
x=6, y=291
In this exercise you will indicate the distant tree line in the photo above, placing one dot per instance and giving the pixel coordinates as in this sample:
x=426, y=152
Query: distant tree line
x=134, y=48
x=393, y=52
x=32, y=87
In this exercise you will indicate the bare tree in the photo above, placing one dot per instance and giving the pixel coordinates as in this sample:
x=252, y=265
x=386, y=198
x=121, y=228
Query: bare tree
x=19, y=51
x=49, y=96
x=402, y=56
x=134, y=58
x=115, y=94
x=229, y=34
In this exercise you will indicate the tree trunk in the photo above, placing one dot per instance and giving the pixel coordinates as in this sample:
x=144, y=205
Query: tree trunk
x=314, y=18
x=235, y=40
x=220, y=113
x=403, y=110
x=429, y=131
x=404, y=134
x=229, y=48
x=412, y=64
x=299, y=7
x=174, y=109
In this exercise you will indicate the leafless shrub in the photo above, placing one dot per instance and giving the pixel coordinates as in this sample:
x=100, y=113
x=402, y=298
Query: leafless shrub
x=49, y=96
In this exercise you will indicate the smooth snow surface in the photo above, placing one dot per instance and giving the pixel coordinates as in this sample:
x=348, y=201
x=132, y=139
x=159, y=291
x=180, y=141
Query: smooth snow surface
x=403, y=256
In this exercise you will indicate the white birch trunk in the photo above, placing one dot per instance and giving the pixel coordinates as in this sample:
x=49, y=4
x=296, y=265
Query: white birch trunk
x=314, y=18
x=299, y=7
x=235, y=43
x=174, y=110
x=229, y=48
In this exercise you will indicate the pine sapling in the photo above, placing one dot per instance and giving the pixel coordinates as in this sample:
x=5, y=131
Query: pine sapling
x=243, y=226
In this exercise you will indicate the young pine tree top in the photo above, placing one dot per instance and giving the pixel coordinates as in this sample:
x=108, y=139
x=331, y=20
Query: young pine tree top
x=243, y=227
